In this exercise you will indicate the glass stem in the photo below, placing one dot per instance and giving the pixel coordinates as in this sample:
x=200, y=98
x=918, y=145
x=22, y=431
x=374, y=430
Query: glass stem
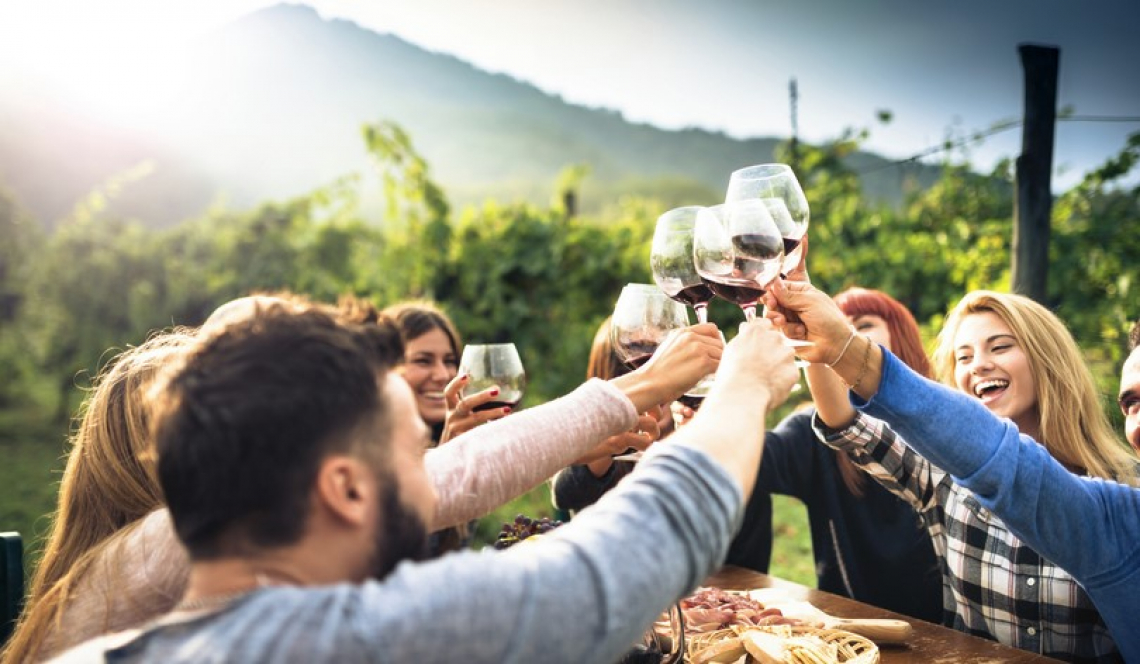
x=702, y=313
x=749, y=312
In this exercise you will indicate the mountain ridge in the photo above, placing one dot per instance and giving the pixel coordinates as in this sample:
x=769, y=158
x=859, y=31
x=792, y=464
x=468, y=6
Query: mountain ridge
x=276, y=109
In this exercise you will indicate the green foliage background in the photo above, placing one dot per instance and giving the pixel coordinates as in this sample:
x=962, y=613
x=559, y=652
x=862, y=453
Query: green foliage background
x=503, y=270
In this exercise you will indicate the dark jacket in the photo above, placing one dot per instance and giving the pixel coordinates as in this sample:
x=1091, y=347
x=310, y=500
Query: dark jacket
x=873, y=549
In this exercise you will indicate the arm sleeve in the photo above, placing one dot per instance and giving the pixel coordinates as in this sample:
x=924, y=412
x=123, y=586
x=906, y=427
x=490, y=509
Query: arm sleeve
x=1054, y=511
x=500, y=460
x=583, y=593
x=878, y=451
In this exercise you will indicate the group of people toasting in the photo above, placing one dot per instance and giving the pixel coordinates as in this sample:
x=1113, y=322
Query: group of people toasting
x=266, y=487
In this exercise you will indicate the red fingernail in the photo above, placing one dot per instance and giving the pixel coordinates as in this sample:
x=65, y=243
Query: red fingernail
x=463, y=377
x=506, y=409
x=494, y=393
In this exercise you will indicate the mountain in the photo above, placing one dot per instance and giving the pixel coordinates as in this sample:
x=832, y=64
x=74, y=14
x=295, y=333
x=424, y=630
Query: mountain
x=275, y=106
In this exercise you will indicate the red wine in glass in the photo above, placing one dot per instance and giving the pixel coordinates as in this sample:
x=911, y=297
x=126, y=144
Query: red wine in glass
x=634, y=363
x=739, y=295
x=696, y=296
x=633, y=354
x=758, y=248
x=493, y=405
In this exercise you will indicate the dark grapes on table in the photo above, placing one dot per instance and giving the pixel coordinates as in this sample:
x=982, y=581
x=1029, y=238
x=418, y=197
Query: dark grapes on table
x=522, y=528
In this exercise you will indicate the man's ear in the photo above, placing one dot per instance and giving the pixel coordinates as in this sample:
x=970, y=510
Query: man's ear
x=344, y=487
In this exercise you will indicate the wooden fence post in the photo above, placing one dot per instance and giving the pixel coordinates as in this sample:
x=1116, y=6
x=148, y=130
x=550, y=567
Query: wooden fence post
x=1034, y=204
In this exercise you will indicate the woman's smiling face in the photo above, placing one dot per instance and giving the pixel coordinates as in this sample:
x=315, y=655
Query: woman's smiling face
x=430, y=363
x=990, y=364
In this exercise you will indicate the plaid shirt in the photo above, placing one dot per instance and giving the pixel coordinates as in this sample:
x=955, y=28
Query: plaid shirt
x=993, y=585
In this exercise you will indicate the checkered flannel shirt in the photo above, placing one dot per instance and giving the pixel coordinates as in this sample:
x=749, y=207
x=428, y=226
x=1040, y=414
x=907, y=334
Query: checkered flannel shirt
x=993, y=585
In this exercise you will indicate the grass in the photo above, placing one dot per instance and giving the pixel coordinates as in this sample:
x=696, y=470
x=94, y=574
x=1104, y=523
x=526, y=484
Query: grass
x=31, y=462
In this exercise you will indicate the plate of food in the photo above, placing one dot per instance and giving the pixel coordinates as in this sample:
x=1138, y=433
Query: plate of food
x=781, y=644
x=767, y=626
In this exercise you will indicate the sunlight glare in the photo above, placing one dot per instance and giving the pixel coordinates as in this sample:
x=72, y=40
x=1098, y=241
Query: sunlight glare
x=118, y=60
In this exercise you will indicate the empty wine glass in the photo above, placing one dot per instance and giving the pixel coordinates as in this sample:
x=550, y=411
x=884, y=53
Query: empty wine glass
x=493, y=365
x=738, y=250
x=777, y=185
x=671, y=260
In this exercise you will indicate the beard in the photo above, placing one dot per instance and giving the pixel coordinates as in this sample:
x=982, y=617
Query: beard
x=401, y=533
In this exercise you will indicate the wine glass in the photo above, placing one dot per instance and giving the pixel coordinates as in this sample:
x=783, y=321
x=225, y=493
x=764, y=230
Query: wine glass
x=777, y=185
x=671, y=260
x=493, y=365
x=738, y=250
x=643, y=317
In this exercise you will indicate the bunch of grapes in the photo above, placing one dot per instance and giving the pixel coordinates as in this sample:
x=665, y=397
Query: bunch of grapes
x=523, y=527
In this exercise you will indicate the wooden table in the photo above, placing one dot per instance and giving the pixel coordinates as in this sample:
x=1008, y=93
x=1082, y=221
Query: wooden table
x=930, y=643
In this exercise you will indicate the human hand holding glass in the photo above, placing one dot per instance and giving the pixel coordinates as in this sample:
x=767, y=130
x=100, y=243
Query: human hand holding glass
x=492, y=367
x=643, y=317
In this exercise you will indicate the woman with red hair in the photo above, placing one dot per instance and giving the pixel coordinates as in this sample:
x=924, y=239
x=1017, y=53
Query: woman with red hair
x=868, y=544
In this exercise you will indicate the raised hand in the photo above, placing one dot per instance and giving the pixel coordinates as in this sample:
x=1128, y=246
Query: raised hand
x=686, y=356
x=755, y=362
x=646, y=432
x=821, y=321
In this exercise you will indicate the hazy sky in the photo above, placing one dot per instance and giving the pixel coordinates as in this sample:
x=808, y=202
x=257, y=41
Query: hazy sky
x=941, y=67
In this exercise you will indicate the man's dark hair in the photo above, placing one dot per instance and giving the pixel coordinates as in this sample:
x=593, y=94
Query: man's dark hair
x=1134, y=336
x=242, y=425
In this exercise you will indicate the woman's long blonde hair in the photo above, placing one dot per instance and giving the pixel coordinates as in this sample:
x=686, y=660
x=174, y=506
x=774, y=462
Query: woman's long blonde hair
x=1074, y=427
x=108, y=485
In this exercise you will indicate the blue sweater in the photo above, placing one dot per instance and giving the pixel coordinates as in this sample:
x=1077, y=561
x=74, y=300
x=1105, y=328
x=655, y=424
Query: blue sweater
x=1090, y=527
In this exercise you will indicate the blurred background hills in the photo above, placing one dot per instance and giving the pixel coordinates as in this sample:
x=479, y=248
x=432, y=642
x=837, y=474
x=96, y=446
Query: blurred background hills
x=272, y=105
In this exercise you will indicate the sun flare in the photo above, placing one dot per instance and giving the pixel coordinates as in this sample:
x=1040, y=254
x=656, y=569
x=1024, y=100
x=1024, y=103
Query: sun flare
x=119, y=60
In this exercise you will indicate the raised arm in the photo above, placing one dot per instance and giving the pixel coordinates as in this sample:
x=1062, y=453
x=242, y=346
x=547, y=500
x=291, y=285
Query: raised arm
x=498, y=461
x=586, y=591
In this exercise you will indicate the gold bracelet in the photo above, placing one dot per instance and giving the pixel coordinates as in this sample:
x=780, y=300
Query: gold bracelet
x=863, y=369
x=844, y=351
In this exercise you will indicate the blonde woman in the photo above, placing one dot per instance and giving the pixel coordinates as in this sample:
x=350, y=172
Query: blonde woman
x=108, y=488
x=1019, y=360
x=1057, y=403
